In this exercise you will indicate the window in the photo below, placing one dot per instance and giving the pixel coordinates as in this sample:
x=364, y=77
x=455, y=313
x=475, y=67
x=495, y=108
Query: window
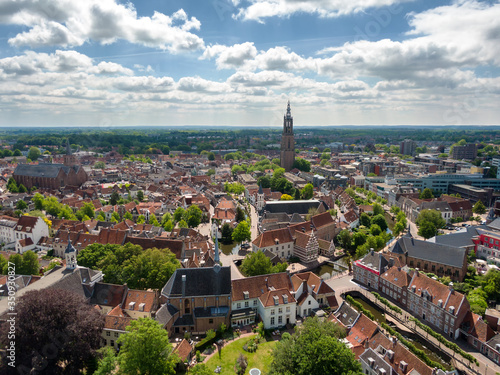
x=273, y=311
x=210, y=321
x=108, y=333
x=288, y=309
x=116, y=334
x=246, y=304
x=238, y=305
x=280, y=310
x=112, y=343
x=255, y=302
x=272, y=320
x=280, y=319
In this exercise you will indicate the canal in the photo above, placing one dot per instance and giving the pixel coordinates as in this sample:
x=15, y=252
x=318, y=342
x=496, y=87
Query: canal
x=430, y=351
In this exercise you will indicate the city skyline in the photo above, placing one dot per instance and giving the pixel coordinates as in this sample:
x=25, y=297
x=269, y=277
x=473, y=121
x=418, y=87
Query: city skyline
x=236, y=62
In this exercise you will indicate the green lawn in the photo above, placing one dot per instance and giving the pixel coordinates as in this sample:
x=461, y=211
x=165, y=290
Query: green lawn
x=260, y=359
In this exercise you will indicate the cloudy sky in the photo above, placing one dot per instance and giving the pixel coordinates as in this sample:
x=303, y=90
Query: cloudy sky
x=237, y=62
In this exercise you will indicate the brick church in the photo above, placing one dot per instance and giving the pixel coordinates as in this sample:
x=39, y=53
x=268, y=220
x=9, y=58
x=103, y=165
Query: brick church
x=51, y=176
x=287, y=141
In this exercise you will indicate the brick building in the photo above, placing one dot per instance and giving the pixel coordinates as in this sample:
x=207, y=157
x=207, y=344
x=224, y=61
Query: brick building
x=196, y=300
x=49, y=176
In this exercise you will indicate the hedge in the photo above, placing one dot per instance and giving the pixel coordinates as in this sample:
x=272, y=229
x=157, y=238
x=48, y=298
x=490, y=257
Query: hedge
x=445, y=342
x=359, y=307
x=387, y=303
x=208, y=340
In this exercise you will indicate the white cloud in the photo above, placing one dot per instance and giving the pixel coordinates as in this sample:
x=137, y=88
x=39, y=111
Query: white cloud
x=258, y=10
x=72, y=23
x=229, y=57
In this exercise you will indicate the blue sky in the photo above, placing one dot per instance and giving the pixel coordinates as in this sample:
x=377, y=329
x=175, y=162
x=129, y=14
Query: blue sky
x=237, y=62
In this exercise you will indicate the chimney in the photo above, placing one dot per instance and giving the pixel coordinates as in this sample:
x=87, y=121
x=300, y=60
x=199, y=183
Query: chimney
x=372, y=251
x=450, y=286
x=183, y=285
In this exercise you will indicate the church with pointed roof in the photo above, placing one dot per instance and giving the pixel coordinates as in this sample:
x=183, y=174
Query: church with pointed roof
x=51, y=176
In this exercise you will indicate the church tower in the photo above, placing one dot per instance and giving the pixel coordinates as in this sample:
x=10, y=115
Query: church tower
x=69, y=158
x=70, y=255
x=287, y=141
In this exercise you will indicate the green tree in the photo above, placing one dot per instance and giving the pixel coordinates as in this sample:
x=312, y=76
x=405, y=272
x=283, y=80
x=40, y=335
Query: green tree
x=99, y=165
x=87, y=209
x=427, y=229
x=108, y=361
x=65, y=212
x=358, y=239
x=153, y=220
x=302, y=164
x=345, y=239
x=17, y=153
x=101, y=216
x=140, y=195
x=115, y=197
x=240, y=214
x=477, y=301
x=128, y=216
x=30, y=265
x=179, y=214
x=315, y=348
x=21, y=205
x=211, y=156
x=307, y=192
x=200, y=369
x=34, y=153
x=426, y=194
x=22, y=189
x=226, y=234
x=380, y=221
x=432, y=216
x=141, y=219
x=364, y=219
x=145, y=349
x=265, y=181
x=375, y=230
x=182, y=224
x=168, y=226
x=116, y=216
x=286, y=197
x=193, y=216
x=242, y=232
x=479, y=208
x=38, y=201
x=256, y=264
x=395, y=210
x=377, y=209
x=398, y=229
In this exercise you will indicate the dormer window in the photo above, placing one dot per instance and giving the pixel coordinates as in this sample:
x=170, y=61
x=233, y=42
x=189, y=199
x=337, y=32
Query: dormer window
x=246, y=295
x=276, y=300
x=131, y=305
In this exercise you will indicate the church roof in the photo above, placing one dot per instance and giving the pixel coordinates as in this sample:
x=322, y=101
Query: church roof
x=43, y=170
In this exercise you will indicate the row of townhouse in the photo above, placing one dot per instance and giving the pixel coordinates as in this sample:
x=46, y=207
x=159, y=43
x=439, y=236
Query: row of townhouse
x=449, y=207
x=436, y=304
x=378, y=354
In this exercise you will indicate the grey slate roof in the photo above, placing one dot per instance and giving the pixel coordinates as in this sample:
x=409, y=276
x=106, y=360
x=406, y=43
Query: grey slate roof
x=43, y=170
x=203, y=281
x=290, y=207
x=375, y=260
x=433, y=252
x=346, y=314
x=165, y=314
x=378, y=361
x=495, y=224
x=458, y=239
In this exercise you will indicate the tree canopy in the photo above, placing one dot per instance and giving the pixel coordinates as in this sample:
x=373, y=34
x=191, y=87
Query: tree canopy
x=302, y=165
x=479, y=208
x=314, y=348
x=140, y=269
x=57, y=332
x=242, y=232
x=257, y=263
x=145, y=349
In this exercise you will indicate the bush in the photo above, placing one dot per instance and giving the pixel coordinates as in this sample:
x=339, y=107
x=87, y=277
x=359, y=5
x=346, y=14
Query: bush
x=387, y=303
x=358, y=306
x=207, y=341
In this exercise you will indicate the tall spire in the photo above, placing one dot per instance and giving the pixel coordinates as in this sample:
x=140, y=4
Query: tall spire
x=216, y=257
x=68, y=147
x=288, y=111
